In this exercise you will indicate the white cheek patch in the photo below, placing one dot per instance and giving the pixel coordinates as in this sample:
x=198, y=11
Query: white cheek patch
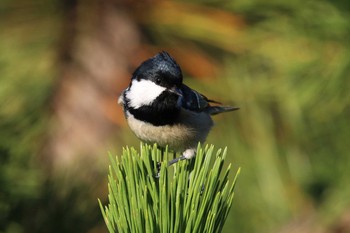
x=143, y=92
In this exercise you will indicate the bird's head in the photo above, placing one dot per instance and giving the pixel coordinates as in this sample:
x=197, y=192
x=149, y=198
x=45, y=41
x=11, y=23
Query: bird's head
x=158, y=78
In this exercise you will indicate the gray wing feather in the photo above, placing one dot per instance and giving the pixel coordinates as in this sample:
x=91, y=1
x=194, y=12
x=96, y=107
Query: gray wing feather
x=195, y=101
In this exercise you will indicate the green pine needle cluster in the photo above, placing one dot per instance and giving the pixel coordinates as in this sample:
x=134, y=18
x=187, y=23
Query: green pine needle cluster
x=190, y=196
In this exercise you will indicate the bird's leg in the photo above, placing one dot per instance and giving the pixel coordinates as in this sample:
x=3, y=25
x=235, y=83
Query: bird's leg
x=187, y=154
x=173, y=161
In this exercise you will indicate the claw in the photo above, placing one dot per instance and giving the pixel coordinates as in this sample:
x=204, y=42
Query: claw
x=157, y=175
x=202, y=189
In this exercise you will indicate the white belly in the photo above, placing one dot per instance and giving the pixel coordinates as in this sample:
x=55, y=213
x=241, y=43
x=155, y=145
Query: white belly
x=190, y=129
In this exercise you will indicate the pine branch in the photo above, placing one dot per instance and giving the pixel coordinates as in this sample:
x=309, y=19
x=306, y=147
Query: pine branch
x=190, y=196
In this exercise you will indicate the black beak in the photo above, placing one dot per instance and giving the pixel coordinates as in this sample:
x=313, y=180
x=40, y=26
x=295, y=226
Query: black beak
x=176, y=91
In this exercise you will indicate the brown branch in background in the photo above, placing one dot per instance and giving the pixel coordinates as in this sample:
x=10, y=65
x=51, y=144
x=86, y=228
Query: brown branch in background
x=98, y=40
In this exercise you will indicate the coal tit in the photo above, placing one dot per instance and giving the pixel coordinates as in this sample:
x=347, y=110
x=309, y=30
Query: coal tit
x=160, y=109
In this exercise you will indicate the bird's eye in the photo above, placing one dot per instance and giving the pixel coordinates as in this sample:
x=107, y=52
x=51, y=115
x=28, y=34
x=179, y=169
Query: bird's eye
x=158, y=81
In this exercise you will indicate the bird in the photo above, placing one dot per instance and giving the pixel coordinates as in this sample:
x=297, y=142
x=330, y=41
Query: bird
x=160, y=108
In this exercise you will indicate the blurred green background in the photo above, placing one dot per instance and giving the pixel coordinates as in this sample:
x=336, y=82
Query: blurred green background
x=286, y=64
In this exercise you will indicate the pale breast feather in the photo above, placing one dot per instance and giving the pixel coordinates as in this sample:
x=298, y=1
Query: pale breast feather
x=191, y=128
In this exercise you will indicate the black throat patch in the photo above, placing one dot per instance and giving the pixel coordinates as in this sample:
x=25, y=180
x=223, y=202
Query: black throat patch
x=163, y=111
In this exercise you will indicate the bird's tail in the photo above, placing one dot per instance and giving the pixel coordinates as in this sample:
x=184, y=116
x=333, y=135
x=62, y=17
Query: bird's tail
x=213, y=110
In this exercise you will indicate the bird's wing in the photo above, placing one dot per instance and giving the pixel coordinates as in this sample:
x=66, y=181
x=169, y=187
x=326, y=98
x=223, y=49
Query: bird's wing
x=195, y=101
x=213, y=110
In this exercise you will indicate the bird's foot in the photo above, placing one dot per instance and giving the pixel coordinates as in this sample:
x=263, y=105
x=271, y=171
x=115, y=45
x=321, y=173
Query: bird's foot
x=157, y=175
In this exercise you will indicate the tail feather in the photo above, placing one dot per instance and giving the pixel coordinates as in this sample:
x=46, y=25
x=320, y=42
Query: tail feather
x=213, y=110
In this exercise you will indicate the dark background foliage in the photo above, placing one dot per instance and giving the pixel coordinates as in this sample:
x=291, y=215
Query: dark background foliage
x=286, y=64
